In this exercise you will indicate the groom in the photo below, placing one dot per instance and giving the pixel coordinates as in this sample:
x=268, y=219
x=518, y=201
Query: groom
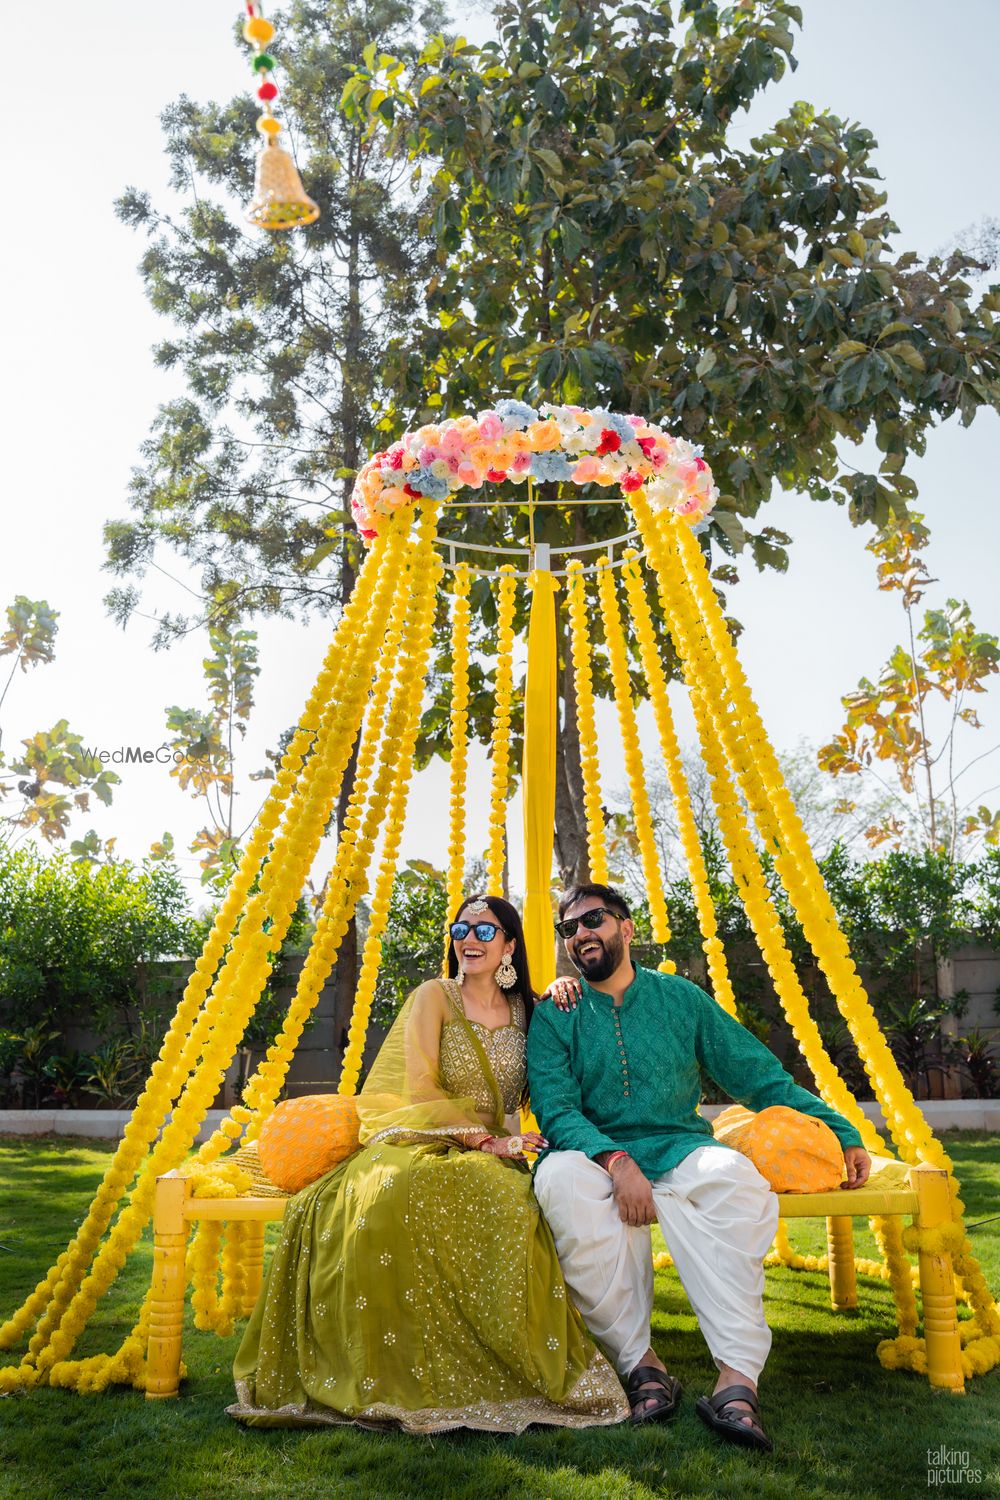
x=615, y=1086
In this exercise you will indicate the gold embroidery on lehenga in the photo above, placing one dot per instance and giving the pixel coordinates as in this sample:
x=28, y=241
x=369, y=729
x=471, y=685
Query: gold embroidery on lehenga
x=505, y=1048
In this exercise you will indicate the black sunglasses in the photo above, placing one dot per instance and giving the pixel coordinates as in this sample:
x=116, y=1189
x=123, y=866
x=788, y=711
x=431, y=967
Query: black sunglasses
x=485, y=931
x=590, y=919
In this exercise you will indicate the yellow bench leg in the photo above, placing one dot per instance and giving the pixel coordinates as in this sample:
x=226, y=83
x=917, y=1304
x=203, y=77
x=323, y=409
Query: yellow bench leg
x=840, y=1257
x=170, y=1232
x=937, y=1284
x=253, y=1266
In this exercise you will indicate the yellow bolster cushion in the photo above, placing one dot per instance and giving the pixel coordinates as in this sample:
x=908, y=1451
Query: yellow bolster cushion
x=303, y=1139
x=796, y=1153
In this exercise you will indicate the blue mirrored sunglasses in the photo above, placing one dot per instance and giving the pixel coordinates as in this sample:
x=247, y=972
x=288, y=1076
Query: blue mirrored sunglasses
x=485, y=931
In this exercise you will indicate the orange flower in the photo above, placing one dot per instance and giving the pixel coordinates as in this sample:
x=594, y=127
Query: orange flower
x=544, y=436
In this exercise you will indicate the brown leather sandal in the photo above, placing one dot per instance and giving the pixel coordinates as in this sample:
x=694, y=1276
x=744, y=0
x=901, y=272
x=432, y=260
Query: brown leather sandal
x=734, y=1426
x=665, y=1392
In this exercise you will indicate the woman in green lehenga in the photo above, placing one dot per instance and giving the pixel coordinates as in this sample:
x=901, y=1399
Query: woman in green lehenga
x=417, y=1285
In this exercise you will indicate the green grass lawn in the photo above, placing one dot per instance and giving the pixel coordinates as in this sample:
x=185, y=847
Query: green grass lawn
x=842, y=1425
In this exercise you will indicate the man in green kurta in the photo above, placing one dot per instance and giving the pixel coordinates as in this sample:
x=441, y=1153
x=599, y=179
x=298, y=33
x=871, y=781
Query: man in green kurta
x=615, y=1084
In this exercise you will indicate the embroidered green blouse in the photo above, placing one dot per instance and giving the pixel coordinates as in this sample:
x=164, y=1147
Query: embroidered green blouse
x=606, y=1078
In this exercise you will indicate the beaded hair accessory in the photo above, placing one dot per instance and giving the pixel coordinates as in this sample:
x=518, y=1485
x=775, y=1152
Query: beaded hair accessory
x=478, y=907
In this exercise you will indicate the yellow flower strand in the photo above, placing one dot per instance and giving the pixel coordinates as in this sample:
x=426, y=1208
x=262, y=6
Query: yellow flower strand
x=656, y=690
x=459, y=732
x=213, y=1312
x=400, y=753
x=66, y=1318
x=348, y=875
x=765, y=789
x=739, y=725
x=760, y=776
x=500, y=754
x=614, y=637
x=748, y=873
x=586, y=722
x=751, y=882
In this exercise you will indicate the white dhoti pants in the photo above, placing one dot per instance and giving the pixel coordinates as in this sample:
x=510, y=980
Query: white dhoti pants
x=718, y=1216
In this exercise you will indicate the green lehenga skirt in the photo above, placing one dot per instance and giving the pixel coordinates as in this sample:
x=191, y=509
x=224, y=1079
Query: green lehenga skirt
x=417, y=1286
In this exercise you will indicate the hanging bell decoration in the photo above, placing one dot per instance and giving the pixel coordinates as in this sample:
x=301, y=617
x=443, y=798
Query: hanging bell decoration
x=279, y=199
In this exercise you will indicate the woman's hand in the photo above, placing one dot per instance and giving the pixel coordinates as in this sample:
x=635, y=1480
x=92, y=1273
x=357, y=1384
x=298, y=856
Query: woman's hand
x=564, y=992
x=513, y=1147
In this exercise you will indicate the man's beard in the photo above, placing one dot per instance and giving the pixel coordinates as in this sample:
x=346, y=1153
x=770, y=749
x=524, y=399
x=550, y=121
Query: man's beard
x=602, y=965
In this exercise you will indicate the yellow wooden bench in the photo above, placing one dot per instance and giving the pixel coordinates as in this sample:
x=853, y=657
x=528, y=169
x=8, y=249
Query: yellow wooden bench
x=925, y=1199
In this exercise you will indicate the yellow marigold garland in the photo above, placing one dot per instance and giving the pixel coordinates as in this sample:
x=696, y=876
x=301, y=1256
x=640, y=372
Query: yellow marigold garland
x=614, y=637
x=741, y=730
x=778, y=820
x=459, y=732
x=68, y=1298
x=411, y=688
x=586, y=722
x=656, y=689
x=751, y=882
x=344, y=887
x=500, y=755
x=212, y=1312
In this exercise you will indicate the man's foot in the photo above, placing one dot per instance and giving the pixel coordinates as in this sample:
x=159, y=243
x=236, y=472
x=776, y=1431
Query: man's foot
x=734, y=1413
x=653, y=1395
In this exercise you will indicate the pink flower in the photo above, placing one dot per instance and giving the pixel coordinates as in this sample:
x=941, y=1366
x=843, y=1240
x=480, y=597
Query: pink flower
x=700, y=464
x=469, y=474
x=586, y=470
x=427, y=454
x=637, y=421
x=452, y=442
x=631, y=481
x=454, y=462
x=396, y=456
x=521, y=462
x=647, y=444
x=490, y=426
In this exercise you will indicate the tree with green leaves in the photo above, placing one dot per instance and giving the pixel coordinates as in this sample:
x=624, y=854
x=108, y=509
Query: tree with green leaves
x=565, y=213
x=905, y=732
x=55, y=775
x=202, y=744
x=247, y=475
x=603, y=239
x=890, y=726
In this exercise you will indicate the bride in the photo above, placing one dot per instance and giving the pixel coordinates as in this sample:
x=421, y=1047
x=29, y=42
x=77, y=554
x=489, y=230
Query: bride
x=417, y=1285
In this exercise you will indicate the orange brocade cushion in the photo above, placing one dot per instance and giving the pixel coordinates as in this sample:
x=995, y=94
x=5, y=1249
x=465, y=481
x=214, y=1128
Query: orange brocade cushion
x=796, y=1153
x=305, y=1138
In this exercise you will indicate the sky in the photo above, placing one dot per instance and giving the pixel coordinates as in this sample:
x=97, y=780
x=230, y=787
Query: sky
x=81, y=391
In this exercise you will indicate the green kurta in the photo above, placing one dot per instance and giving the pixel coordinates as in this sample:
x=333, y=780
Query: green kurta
x=417, y=1284
x=605, y=1078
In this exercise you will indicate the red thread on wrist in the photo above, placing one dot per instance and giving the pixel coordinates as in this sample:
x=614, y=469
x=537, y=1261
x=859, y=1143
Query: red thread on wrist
x=615, y=1156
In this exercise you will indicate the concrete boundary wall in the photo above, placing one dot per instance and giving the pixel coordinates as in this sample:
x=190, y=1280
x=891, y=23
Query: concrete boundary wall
x=109, y=1124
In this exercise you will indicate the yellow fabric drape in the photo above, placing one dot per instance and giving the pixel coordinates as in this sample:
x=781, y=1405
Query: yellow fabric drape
x=538, y=779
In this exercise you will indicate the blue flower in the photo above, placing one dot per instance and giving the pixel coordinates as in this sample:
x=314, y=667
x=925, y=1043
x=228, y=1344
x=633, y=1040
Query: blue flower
x=550, y=466
x=515, y=415
x=622, y=426
x=429, y=485
x=700, y=526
